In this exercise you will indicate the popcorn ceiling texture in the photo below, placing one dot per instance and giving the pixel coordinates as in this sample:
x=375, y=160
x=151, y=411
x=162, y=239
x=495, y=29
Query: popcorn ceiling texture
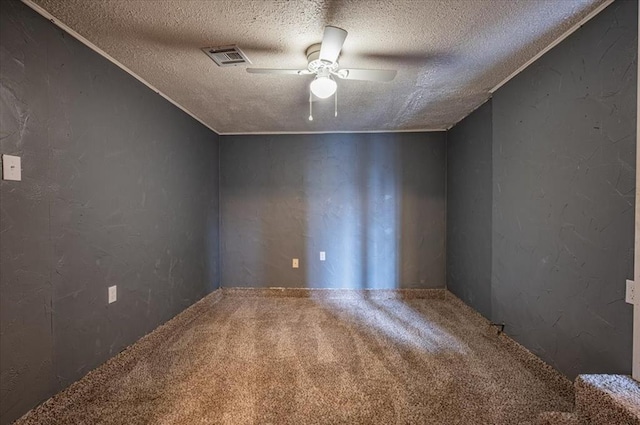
x=448, y=54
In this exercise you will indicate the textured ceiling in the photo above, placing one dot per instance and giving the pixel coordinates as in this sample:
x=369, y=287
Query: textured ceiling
x=448, y=54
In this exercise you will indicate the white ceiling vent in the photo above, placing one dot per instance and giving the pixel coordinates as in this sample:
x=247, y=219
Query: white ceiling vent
x=226, y=55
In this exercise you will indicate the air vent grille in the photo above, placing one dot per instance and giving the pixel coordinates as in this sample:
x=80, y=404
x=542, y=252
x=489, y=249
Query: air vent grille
x=226, y=55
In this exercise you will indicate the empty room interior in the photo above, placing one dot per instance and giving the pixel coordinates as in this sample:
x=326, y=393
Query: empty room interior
x=319, y=212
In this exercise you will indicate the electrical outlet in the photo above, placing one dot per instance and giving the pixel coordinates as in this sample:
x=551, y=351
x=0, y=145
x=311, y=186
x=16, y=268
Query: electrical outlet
x=295, y=264
x=11, y=169
x=631, y=292
x=323, y=256
x=113, y=294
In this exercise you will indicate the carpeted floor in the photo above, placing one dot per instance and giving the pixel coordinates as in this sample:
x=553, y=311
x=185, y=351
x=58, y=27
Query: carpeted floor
x=265, y=360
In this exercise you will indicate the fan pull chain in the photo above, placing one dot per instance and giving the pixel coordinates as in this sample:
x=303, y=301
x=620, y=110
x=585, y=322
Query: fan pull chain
x=310, y=107
x=335, y=114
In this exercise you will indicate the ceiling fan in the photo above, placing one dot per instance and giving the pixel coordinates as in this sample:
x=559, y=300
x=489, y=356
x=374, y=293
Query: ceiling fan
x=323, y=63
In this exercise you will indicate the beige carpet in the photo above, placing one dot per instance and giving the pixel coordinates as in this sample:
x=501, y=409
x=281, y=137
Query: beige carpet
x=266, y=360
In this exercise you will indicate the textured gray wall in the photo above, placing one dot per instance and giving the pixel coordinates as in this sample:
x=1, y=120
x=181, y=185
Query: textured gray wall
x=374, y=202
x=564, y=180
x=119, y=188
x=469, y=199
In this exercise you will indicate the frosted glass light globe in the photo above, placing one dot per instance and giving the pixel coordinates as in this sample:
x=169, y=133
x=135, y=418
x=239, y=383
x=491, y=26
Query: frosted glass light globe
x=323, y=87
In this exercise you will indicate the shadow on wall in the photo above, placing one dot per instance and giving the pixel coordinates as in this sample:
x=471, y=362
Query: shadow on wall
x=212, y=249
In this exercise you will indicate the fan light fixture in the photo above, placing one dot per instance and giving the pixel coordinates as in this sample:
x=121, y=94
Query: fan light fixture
x=323, y=86
x=322, y=61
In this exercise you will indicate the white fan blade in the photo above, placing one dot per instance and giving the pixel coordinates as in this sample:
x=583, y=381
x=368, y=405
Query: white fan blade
x=332, y=42
x=278, y=71
x=381, y=75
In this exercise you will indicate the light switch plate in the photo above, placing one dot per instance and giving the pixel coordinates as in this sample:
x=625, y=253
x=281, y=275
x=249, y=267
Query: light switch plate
x=323, y=256
x=294, y=263
x=630, y=296
x=113, y=294
x=11, y=168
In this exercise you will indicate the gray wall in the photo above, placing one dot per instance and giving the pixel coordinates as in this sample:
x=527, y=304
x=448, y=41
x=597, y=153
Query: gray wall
x=563, y=165
x=119, y=188
x=564, y=180
x=374, y=202
x=469, y=199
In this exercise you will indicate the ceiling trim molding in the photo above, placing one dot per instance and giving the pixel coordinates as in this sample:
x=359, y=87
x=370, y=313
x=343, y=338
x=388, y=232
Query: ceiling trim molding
x=105, y=55
x=557, y=41
x=469, y=113
x=275, y=133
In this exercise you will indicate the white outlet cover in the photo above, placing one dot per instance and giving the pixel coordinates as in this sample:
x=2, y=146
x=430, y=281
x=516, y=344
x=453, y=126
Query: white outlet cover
x=113, y=294
x=323, y=256
x=294, y=263
x=11, y=169
x=630, y=296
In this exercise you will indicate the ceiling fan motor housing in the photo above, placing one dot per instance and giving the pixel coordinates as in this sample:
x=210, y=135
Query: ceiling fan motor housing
x=317, y=65
x=322, y=61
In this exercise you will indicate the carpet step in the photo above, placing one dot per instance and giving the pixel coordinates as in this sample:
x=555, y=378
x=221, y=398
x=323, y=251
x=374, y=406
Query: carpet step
x=600, y=400
x=608, y=399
